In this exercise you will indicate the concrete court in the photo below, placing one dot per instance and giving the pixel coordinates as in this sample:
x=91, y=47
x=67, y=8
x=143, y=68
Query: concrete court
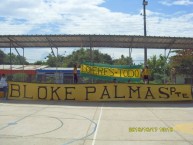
x=94, y=123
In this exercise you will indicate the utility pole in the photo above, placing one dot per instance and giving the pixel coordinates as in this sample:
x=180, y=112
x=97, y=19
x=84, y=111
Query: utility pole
x=145, y=3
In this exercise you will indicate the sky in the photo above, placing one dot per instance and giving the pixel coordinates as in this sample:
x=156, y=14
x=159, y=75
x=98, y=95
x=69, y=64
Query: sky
x=115, y=17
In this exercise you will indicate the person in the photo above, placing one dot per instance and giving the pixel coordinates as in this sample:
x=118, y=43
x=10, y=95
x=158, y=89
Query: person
x=75, y=77
x=145, y=75
x=4, y=85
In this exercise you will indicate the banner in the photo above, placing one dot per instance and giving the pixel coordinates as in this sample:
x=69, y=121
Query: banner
x=122, y=73
x=99, y=92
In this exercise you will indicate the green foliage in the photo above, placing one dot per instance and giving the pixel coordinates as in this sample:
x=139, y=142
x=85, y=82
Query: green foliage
x=2, y=57
x=183, y=62
x=19, y=77
x=158, y=67
x=39, y=63
x=15, y=59
x=123, y=61
x=85, y=55
x=79, y=56
x=52, y=60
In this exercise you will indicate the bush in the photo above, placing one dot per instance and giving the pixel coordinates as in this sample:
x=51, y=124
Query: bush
x=20, y=77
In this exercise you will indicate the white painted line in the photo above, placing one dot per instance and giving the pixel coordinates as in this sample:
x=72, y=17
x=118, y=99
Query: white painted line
x=101, y=111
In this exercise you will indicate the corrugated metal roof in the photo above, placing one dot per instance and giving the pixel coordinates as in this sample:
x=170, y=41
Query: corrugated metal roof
x=112, y=41
x=59, y=69
x=20, y=67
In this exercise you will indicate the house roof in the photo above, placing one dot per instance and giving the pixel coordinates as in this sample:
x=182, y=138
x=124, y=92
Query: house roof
x=22, y=67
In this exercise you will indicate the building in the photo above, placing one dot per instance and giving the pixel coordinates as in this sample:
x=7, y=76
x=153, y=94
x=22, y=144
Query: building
x=38, y=73
x=56, y=75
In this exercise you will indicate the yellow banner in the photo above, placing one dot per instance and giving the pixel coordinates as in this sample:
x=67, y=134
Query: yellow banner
x=99, y=92
x=110, y=72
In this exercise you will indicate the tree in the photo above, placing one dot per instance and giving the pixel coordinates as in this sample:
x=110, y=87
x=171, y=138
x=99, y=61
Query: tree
x=15, y=59
x=123, y=61
x=2, y=57
x=39, y=62
x=52, y=60
x=159, y=68
x=85, y=55
x=55, y=61
x=183, y=62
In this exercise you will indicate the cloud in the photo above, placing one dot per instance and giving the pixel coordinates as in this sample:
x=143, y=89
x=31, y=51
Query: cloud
x=68, y=16
x=89, y=17
x=84, y=17
x=170, y=25
x=176, y=2
x=8, y=28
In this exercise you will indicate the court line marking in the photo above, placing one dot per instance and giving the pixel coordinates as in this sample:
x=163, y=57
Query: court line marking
x=84, y=137
x=98, y=123
x=20, y=119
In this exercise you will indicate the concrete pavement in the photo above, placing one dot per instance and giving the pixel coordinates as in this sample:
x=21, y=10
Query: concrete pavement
x=95, y=123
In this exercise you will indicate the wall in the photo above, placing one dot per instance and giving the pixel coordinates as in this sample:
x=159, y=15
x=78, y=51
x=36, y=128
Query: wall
x=99, y=92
